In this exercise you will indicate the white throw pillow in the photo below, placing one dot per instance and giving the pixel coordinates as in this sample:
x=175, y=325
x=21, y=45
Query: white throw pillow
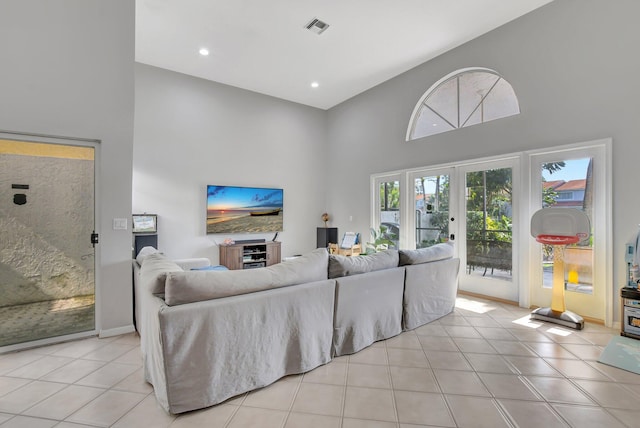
x=144, y=253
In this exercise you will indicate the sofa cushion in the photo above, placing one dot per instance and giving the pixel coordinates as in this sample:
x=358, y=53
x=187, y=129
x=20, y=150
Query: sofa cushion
x=425, y=255
x=194, y=286
x=340, y=266
x=153, y=272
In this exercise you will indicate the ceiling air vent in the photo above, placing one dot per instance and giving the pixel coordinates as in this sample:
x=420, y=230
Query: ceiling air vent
x=317, y=26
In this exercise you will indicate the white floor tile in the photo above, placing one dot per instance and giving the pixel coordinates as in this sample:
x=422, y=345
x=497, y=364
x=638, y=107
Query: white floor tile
x=476, y=412
x=105, y=410
x=26, y=396
x=64, y=403
x=587, y=417
x=147, y=413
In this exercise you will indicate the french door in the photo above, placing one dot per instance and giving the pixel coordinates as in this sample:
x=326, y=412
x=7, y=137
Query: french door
x=573, y=178
x=488, y=230
x=485, y=207
x=47, y=261
x=474, y=206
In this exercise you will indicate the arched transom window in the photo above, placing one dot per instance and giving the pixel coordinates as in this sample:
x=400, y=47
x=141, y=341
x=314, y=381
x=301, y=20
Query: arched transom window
x=463, y=98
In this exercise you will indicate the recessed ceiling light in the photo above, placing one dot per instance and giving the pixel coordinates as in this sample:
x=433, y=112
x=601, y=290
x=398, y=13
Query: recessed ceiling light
x=204, y=51
x=314, y=84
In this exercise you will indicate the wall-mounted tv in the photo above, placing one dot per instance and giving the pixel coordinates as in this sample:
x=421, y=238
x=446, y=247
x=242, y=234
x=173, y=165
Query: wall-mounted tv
x=244, y=209
x=145, y=223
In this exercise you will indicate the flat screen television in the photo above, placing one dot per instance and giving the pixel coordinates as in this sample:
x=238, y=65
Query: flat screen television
x=232, y=209
x=145, y=223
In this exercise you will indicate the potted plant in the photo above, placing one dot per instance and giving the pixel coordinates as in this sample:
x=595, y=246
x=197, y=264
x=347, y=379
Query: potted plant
x=380, y=239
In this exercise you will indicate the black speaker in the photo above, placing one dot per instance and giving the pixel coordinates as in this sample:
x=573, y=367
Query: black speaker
x=326, y=236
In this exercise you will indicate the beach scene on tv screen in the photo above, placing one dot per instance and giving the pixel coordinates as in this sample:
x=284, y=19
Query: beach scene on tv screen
x=244, y=209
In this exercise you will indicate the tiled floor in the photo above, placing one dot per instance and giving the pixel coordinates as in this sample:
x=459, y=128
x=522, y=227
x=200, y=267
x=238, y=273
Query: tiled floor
x=33, y=321
x=482, y=366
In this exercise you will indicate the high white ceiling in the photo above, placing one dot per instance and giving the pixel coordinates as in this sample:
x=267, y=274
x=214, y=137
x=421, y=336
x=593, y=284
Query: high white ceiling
x=263, y=45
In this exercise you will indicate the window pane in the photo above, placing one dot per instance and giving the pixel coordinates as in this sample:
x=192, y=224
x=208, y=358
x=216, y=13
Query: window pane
x=430, y=123
x=567, y=183
x=431, y=210
x=489, y=223
x=389, y=214
x=441, y=101
x=500, y=102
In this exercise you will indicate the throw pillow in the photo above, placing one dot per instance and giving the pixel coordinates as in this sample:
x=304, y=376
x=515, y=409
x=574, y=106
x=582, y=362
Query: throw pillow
x=425, y=255
x=345, y=266
x=144, y=253
x=153, y=272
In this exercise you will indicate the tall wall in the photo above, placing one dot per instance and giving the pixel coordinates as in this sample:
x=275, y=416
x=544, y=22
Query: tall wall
x=572, y=65
x=67, y=70
x=190, y=132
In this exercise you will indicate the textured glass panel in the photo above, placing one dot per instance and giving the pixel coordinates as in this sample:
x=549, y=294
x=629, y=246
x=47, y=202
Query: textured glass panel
x=429, y=123
x=501, y=102
x=473, y=86
x=444, y=100
x=475, y=118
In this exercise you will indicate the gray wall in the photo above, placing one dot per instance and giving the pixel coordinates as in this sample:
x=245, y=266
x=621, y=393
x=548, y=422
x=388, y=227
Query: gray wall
x=191, y=132
x=572, y=64
x=67, y=70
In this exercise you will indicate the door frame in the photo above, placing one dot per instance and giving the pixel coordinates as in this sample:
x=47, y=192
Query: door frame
x=82, y=142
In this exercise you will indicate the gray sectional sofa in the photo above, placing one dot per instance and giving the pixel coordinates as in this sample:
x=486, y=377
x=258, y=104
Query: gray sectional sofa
x=207, y=336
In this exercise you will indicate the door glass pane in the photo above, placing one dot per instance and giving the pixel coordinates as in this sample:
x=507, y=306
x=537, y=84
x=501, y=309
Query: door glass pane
x=489, y=223
x=569, y=183
x=431, y=210
x=389, y=215
x=46, y=257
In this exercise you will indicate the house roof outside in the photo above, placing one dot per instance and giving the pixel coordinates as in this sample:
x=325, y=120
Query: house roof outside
x=572, y=185
x=552, y=184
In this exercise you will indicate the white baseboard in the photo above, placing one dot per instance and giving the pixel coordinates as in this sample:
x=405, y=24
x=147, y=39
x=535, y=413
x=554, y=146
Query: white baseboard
x=617, y=326
x=116, y=331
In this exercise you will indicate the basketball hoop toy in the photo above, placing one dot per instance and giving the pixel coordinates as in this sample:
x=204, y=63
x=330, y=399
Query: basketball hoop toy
x=559, y=227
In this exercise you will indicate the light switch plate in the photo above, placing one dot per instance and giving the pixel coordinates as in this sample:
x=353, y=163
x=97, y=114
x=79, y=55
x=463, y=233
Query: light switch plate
x=119, y=224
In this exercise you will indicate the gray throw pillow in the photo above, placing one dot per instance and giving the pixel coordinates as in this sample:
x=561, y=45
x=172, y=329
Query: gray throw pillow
x=153, y=272
x=425, y=255
x=340, y=266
